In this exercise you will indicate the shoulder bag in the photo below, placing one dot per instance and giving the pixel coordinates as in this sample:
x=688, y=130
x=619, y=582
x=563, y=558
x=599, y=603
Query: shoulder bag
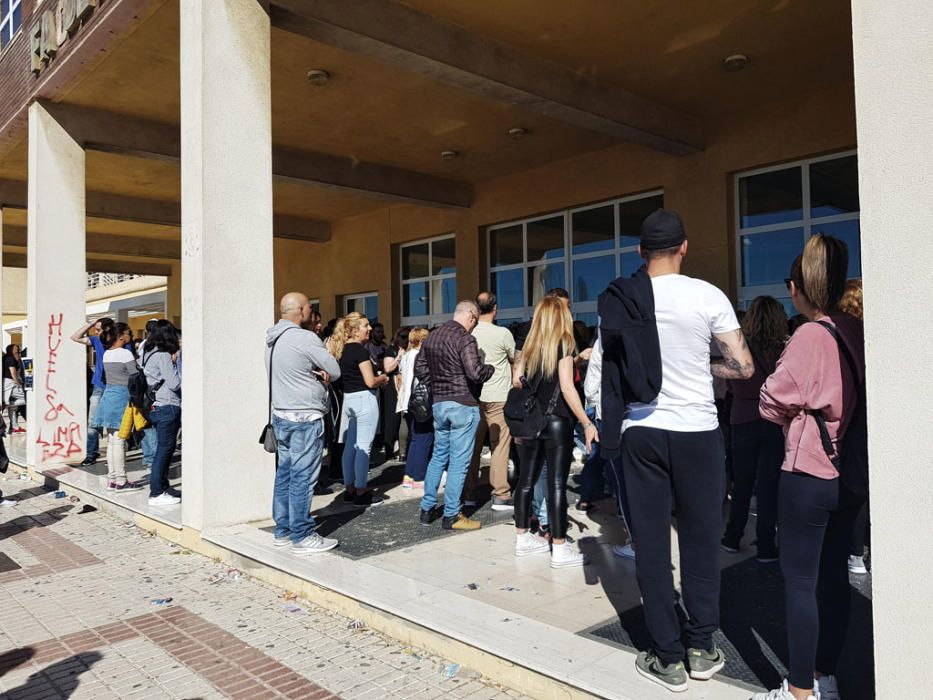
x=523, y=412
x=267, y=436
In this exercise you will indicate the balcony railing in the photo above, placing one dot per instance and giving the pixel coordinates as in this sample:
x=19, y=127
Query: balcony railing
x=105, y=279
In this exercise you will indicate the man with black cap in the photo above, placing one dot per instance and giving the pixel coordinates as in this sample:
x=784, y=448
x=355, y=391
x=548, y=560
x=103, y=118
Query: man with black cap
x=674, y=461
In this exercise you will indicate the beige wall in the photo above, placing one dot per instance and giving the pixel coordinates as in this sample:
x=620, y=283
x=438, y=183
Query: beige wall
x=14, y=293
x=361, y=256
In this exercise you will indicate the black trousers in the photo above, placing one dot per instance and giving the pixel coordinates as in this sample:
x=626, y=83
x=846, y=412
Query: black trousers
x=556, y=445
x=757, y=455
x=815, y=518
x=667, y=471
x=391, y=421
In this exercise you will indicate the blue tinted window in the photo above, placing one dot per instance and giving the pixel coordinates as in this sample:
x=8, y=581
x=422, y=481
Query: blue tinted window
x=508, y=287
x=590, y=319
x=847, y=231
x=766, y=257
x=591, y=276
x=834, y=187
x=444, y=256
x=546, y=239
x=372, y=308
x=631, y=216
x=593, y=230
x=542, y=278
x=415, y=299
x=631, y=261
x=771, y=198
x=505, y=246
x=444, y=296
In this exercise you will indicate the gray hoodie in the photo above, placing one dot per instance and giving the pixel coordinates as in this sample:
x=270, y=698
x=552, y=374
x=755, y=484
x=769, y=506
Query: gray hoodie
x=298, y=353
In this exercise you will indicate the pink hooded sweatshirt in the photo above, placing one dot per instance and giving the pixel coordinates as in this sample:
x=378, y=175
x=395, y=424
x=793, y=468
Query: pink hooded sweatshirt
x=811, y=375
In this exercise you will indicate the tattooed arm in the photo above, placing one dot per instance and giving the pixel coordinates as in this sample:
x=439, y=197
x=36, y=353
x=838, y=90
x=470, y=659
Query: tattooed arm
x=736, y=361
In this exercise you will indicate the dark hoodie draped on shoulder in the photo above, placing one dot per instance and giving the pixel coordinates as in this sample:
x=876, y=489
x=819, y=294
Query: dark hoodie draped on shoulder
x=631, y=369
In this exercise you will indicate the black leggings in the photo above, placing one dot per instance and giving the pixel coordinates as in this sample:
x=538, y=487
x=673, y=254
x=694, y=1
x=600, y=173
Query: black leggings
x=815, y=518
x=555, y=444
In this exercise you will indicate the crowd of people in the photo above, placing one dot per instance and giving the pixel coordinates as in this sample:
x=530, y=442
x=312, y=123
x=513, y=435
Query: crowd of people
x=637, y=396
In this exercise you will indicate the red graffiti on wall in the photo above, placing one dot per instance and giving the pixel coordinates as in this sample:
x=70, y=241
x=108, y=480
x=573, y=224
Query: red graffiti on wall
x=66, y=439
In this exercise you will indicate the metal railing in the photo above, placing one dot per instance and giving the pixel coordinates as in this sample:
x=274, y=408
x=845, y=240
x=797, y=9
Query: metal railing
x=105, y=279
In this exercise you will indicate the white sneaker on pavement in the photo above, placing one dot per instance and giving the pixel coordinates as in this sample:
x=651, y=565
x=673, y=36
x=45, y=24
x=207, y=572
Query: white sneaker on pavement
x=782, y=693
x=827, y=687
x=281, y=541
x=164, y=499
x=313, y=544
x=626, y=551
x=7, y=503
x=857, y=565
x=527, y=543
x=565, y=555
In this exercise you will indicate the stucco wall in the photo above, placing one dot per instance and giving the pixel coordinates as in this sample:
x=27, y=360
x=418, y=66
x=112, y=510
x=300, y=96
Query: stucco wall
x=894, y=71
x=14, y=292
x=361, y=257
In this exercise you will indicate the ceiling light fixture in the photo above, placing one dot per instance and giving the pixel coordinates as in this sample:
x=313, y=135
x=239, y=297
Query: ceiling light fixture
x=517, y=132
x=449, y=155
x=318, y=77
x=735, y=62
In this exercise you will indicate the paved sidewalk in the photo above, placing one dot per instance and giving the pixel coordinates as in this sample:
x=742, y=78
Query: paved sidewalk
x=85, y=613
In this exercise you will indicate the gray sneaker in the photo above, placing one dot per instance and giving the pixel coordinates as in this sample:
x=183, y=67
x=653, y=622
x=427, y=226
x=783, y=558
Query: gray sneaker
x=281, y=541
x=313, y=544
x=671, y=676
x=705, y=664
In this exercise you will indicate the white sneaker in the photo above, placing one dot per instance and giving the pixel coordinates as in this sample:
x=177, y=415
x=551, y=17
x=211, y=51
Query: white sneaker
x=565, y=555
x=827, y=687
x=626, y=551
x=781, y=693
x=527, y=543
x=281, y=541
x=577, y=454
x=164, y=499
x=313, y=544
x=857, y=565
x=7, y=503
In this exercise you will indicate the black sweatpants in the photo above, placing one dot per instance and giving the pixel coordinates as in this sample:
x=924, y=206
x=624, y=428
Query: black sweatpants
x=815, y=518
x=682, y=472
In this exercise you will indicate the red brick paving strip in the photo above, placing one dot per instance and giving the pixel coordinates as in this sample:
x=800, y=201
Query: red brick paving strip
x=232, y=666
x=54, y=552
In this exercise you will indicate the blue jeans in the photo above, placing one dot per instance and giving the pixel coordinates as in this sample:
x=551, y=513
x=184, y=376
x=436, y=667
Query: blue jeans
x=166, y=420
x=420, y=447
x=93, y=434
x=539, y=496
x=361, y=413
x=150, y=445
x=454, y=435
x=301, y=446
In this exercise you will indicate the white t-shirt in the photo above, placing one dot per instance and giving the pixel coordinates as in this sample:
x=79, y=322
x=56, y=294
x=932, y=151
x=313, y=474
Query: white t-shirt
x=689, y=312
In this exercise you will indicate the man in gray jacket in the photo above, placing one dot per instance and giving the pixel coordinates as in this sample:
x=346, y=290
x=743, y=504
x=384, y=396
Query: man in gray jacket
x=300, y=369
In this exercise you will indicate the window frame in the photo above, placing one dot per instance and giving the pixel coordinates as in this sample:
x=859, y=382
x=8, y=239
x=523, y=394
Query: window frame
x=746, y=293
x=7, y=19
x=428, y=320
x=363, y=296
x=568, y=258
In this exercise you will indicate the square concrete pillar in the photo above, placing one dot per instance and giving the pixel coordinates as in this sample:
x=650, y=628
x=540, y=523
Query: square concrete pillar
x=894, y=110
x=55, y=286
x=226, y=289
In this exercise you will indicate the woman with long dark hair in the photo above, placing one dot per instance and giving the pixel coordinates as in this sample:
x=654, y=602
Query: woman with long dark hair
x=119, y=367
x=816, y=510
x=12, y=386
x=162, y=346
x=757, y=444
x=547, y=363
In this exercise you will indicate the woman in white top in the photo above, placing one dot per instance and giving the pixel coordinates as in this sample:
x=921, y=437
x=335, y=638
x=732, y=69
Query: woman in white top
x=420, y=435
x=119, y=368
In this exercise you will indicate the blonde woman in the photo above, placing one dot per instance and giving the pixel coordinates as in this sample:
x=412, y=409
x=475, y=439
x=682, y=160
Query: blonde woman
x=360, y=412
x=420, y=435
x=547, y=364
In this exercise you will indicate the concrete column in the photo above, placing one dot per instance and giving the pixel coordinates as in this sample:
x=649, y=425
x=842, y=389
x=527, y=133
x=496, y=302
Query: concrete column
x=173, y=295
x=227, y=299
x=55, y=284
x=894, y=109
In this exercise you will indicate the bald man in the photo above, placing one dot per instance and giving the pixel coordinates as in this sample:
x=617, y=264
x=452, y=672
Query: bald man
x=298, y=368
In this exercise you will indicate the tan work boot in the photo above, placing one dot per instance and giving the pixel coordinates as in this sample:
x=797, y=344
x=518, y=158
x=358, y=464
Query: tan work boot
x=461, y=522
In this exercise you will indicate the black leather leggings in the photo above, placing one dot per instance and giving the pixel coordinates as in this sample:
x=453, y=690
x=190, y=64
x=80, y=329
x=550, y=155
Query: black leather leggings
x=554, y=445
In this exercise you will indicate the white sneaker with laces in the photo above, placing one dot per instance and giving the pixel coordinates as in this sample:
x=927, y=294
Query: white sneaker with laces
x=828, y=688
x=7, y=503
x=164, y=499
x=527, y=543
x=782, y=693
x=857, y=565
x=565, y=555
x=626, y=551
x=313, y=544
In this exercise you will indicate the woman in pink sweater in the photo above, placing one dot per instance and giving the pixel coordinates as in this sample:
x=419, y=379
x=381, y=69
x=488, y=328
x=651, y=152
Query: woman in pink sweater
x=815, y=511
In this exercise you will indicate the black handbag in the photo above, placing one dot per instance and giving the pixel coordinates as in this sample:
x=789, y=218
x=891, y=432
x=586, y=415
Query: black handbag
x=522, y=411
x=419, y=403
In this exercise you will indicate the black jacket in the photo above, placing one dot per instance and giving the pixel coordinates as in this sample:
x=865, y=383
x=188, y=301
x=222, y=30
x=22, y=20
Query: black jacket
x=628, y=332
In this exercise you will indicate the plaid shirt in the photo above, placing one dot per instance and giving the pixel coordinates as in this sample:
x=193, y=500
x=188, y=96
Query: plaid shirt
x=449, y=363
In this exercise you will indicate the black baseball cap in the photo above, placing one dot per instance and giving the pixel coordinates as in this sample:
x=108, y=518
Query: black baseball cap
x=662, y=229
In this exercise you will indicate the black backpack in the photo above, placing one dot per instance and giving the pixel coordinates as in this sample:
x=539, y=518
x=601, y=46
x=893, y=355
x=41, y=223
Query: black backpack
x=523, y=412
x=142, y=396
x=851, y=457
